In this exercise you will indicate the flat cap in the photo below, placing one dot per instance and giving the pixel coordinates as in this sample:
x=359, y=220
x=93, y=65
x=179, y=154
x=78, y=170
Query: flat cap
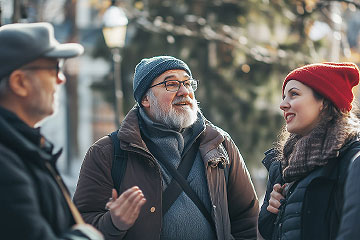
x=22, y=43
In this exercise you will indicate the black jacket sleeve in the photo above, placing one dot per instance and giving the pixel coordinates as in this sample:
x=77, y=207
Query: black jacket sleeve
x=266, y=218
x=349, y=226
x=21, y=214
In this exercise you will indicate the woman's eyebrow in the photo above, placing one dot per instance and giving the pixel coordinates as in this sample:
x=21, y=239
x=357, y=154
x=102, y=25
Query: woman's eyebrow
x=283, y=96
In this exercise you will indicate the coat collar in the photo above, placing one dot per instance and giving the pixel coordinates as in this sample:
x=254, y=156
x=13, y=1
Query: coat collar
x=32, y=134
x=269, y=158
x=129, y=132
x=24, y=140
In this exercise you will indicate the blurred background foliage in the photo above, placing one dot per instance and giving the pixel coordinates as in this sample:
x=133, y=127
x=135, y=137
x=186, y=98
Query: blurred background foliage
x=239, y=50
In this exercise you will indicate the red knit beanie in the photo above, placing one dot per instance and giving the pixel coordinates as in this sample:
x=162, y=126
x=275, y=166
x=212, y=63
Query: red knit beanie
x=332, y=80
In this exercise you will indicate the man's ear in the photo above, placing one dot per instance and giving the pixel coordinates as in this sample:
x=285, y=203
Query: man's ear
x=145, y=102
x=19, y=83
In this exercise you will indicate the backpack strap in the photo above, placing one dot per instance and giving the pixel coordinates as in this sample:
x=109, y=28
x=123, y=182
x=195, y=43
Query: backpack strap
x=119, y=162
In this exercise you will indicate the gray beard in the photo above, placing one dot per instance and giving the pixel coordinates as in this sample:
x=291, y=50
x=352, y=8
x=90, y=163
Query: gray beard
x=172, y=118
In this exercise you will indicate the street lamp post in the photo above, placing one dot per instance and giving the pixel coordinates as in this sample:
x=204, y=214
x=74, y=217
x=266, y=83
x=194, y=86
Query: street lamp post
x=114, y=31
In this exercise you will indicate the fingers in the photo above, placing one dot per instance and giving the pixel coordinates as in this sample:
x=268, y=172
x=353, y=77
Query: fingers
x=275, y=197
x=126, y=208
x=277, y=192
x=130, y=194
x=277, y=187
x=135, y=207
x=124, y=196
x=112, y=199
x=131, y=204
x=107, y=205
x=272, y=209
x=114, y=194
x=274, y=205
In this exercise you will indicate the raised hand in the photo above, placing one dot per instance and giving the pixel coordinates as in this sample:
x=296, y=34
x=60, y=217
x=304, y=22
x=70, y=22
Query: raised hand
x=125, y=209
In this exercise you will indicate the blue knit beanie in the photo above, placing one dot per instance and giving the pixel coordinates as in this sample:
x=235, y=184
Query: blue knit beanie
x=149, y=69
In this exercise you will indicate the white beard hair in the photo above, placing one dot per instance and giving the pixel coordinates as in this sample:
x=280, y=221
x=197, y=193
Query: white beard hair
x=172, y=118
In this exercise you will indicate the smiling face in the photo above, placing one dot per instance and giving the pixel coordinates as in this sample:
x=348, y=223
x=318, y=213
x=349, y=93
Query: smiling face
x=300, y=107
x=174, y=109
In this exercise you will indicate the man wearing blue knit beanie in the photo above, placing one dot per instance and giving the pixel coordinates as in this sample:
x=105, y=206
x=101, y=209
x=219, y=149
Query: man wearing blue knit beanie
x=176, y=176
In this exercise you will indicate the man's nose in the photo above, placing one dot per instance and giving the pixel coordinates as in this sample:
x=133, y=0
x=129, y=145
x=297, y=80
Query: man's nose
x=183, y=90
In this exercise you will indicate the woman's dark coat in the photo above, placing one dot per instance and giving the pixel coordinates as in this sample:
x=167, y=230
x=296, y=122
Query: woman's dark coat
x=313, y=205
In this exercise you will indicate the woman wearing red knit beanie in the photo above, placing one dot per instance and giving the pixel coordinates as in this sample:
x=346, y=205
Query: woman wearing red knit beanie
x=308, y=167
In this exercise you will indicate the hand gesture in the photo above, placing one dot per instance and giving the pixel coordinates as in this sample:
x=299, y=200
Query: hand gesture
x=275, y=197
x=124, y=210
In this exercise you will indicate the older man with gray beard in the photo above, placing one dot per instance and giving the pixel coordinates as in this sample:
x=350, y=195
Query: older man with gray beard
x=184, y=177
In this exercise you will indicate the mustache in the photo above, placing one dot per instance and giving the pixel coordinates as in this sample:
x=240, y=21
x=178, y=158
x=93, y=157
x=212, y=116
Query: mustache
x=183, y=99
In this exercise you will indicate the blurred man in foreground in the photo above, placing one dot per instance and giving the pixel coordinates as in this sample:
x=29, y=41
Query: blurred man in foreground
x=34, y=202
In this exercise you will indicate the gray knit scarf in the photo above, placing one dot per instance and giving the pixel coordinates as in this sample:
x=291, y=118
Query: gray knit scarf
x=302, y=154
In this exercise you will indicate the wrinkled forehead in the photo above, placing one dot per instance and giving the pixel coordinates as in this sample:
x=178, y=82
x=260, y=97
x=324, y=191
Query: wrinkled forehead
x=173, y=74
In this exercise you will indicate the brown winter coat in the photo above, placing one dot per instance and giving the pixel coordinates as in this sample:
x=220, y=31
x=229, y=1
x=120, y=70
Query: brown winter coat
x=235, y=207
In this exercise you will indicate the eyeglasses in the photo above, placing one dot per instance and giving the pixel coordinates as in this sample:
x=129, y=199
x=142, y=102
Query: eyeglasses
x=58, y=67
x=174, y=85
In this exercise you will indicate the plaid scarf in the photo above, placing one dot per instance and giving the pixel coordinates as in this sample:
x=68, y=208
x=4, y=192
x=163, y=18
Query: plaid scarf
x=302, y=154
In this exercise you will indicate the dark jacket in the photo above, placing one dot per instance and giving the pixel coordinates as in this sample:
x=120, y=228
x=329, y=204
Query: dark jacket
x=235, y=206
x=32, y=205
x=312, y=206
x=349, y=226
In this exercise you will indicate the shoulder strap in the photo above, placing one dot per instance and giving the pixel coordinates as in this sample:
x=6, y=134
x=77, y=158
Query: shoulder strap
x=73, y=209
x=173, y=190
x=119, y=161
x=188, y=190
